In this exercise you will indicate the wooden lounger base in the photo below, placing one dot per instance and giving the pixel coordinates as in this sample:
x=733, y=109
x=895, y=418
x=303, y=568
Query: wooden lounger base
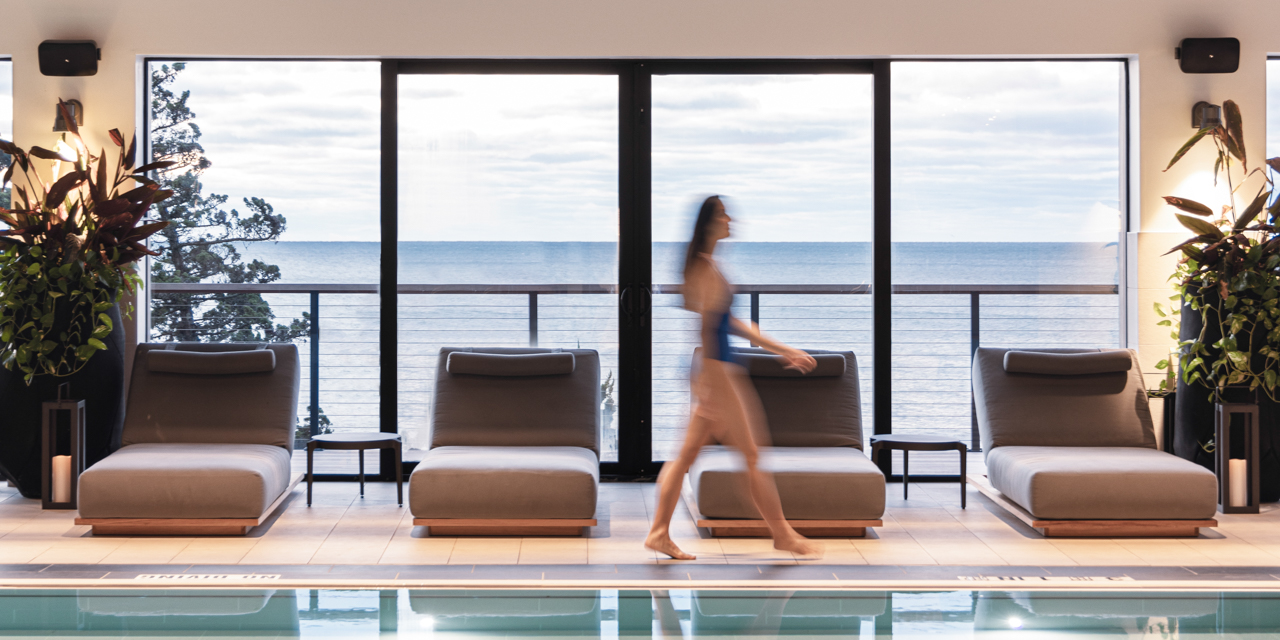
x=723, y=528
x=1092, y=528
x=186, y=526
x=505, y=527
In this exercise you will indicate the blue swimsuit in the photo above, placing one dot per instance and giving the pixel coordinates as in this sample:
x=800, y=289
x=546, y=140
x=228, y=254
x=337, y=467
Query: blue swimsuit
x=723, y=352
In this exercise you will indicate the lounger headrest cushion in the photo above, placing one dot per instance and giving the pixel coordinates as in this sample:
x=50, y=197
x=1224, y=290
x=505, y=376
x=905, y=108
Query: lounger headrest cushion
x=830, y=365
x=1068, y=364
x=211, y=363
x=510, y=364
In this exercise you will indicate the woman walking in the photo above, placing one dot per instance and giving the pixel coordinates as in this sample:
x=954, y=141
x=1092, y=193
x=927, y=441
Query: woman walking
x=726, y=407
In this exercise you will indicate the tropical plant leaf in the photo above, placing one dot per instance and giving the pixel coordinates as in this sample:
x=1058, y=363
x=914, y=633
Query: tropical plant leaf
x=46, y=154
x=1274, y=163
x=163, y=164
x=1187, y=147
x=1235, y=131
x=58, y=192
x=1252, y=210
x=1190, y=206
x=1199, y=226
x=116, y=137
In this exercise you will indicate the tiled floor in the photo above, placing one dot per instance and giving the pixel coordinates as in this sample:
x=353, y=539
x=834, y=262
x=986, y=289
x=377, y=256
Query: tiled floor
x=341, y=529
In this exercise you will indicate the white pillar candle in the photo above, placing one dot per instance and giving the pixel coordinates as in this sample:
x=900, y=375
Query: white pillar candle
x=62, y=478
x=1239, y=474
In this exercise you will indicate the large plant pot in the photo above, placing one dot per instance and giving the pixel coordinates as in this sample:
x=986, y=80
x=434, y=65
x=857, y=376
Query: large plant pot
x=100, y=384
x=1194, y=416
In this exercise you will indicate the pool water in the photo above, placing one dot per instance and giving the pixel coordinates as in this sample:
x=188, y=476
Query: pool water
x=612, y=613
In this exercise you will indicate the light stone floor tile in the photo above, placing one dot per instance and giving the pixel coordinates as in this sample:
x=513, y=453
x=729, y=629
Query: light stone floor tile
x=836, y=551
x=1097, y=552
x=423, y=550
x=892, y=547
x=929, y=528
x=361, y=536
x=147, y=550
x=78, y=552
x=553, y=551
x=230, y=550
x=485, y=551
x=22, y=551
x=754, y=551
x=619, y=551
x=1169, y=551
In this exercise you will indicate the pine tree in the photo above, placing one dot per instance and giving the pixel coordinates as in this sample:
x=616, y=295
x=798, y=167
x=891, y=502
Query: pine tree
x=199, y=243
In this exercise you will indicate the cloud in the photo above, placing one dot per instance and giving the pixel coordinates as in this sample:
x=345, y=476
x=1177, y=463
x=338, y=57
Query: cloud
x=6, y=99
x=981, y=151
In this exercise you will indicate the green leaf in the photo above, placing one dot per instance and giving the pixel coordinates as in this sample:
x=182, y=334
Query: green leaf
x=1200, y=227
x=1252, y=210
x=1235, y=130
x=1187, y=147
x=96, y=344
x=106, y=320
x=1190, y=206
x=1160, y=312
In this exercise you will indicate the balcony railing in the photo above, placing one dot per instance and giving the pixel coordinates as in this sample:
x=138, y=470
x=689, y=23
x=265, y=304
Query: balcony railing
x=936, y=329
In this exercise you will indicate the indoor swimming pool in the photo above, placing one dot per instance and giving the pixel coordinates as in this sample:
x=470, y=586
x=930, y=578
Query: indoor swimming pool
x=612, y=613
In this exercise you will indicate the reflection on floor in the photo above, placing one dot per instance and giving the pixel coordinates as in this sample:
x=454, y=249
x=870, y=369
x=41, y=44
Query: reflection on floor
x=928, y=529
x=669, y=614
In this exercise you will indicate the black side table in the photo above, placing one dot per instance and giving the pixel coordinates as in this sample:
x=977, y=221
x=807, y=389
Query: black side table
x=910, y=442
x=359, y=442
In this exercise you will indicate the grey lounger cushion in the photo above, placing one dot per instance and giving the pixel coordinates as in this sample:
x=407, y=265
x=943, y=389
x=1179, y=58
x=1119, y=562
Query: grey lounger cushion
x=815, y=483
x=558, y=363
x=185, y=481
x=521, y=411
x=218, y=406
x=1103, y=483
x=1027, y=409
x=505, y=482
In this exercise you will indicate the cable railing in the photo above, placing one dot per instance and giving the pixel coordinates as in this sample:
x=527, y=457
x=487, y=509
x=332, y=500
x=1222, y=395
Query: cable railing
x=936, y=329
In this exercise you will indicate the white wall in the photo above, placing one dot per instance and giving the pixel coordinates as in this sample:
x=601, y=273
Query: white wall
x=1144, y=30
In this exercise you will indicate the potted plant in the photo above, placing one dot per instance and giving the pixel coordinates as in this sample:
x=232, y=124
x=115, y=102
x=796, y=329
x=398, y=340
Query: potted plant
x=65, y=256
x=1228, y=284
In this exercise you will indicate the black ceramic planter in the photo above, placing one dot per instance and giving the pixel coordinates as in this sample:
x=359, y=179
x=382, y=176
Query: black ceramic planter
x=1195, y=409
x=100, y=384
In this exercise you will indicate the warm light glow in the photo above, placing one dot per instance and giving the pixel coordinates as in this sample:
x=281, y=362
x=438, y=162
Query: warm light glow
x=65, y=151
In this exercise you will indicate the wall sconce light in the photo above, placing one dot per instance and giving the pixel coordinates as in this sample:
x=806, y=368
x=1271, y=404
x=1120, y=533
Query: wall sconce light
x=1206, y=116
x=76, y=111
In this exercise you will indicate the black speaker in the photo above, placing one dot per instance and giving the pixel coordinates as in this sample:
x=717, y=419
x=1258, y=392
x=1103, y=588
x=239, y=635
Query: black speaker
x=1209, y=55
x=69, y=58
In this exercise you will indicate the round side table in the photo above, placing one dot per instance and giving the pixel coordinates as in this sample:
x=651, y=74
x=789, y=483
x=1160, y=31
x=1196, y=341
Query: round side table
x=359, y=442
x=907, y=443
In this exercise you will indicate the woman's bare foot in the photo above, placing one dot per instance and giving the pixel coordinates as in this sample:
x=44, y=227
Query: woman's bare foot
x=799, y=545
x=663, y=544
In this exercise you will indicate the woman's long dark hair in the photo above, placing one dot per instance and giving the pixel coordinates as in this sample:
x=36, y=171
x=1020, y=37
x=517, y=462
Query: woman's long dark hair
x=698, y=244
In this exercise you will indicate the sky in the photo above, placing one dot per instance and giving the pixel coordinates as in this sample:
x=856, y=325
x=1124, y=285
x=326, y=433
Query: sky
x=982, y=151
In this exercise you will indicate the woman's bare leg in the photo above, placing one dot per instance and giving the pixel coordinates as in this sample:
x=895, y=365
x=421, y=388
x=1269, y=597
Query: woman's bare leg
x=670, y=482
x=743, y=424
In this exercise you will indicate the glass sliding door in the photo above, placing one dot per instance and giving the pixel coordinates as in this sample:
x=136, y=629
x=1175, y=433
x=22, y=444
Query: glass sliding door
x=1006, y=222
x=275, y=225
x=508, y=225
x=6, y=121
x=791, y=153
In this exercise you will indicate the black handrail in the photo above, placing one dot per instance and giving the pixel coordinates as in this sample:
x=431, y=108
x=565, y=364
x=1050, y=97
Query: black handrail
x=974, y=291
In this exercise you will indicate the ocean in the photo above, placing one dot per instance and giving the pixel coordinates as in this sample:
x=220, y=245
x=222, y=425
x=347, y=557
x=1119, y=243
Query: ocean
x=931, y=332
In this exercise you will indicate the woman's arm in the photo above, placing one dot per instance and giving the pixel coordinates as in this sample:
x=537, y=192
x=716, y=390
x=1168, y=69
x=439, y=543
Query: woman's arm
x=794, y=358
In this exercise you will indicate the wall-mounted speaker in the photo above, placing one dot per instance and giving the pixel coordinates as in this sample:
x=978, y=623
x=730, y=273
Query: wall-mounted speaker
x=1209, y=55
x=69, y=58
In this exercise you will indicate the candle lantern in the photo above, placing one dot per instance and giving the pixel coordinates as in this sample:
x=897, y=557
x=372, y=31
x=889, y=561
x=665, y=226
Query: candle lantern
x=1236, y=457
x=61, y=451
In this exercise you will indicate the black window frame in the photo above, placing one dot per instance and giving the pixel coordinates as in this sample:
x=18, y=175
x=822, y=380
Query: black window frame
x=634, y=205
